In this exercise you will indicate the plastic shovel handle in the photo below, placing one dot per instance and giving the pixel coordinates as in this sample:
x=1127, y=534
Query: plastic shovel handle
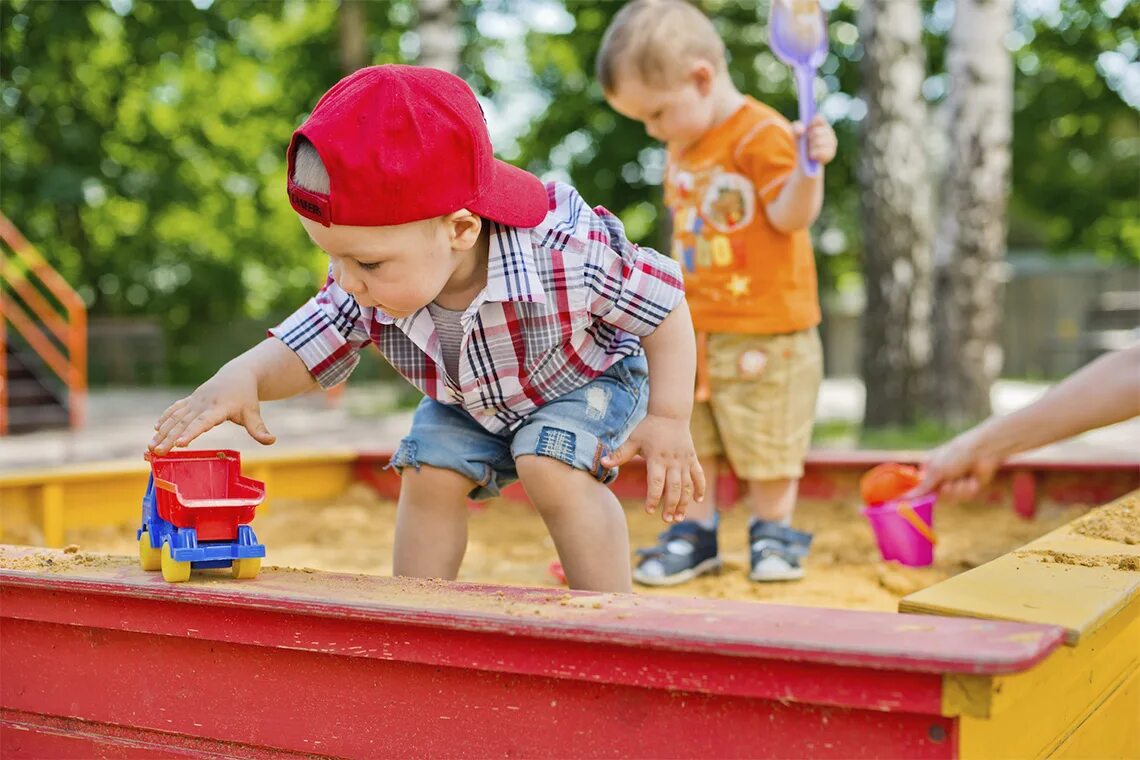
x=805, y=90
x=906, y=511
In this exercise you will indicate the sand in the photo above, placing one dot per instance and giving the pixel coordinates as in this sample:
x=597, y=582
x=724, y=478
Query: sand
x=1119, y=521
x=508, y=544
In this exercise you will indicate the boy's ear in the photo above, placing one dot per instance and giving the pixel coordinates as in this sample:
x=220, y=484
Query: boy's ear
x=702, y=74
x=463, y=228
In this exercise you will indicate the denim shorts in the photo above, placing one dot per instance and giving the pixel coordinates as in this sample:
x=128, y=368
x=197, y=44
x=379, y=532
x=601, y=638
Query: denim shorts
x=579, y=429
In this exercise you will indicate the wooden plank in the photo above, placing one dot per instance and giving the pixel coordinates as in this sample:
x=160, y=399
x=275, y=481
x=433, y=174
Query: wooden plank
x=89, y=496
x=297, y=698
x=1063, y=578
x=803, y=634
x=1113, y=730
x=36, y=737
x=1031, y=714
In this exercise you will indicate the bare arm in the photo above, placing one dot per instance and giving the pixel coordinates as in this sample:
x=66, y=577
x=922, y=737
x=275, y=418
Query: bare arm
x=279, y=371
x=1104, y=392
x=673, y=473
x=799, y=203
x=268, y=371
x=672, y=356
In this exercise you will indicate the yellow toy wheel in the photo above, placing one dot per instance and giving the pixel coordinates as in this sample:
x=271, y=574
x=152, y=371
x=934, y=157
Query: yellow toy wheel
x=246, y=568
x=149, y=557
x=172, y=570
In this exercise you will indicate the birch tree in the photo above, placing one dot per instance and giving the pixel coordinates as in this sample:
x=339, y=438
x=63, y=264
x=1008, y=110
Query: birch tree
x=895, y=203
x=971, y=242
x=438, y=30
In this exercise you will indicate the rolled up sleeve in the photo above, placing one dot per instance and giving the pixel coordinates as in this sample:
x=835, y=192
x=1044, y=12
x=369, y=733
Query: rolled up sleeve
x=327, y=333
x=632, y=288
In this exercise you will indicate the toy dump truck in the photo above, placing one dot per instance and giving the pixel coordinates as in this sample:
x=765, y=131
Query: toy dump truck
x=196, y=514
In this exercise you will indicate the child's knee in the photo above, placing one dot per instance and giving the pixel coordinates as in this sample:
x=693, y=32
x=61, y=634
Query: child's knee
x=435, y=482
x=539, y=470
x=550, y=482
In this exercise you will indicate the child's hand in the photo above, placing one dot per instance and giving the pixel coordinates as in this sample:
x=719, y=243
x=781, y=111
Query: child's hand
x=959, y=469
x=229, y=395
x=673, y=474
x=821, y=141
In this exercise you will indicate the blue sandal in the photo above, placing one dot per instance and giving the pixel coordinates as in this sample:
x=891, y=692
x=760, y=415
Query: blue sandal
x=777, y=551
x=683, y=552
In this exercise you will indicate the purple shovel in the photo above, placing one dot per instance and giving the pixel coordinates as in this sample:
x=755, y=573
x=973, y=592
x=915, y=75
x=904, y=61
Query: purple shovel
x=797, y=31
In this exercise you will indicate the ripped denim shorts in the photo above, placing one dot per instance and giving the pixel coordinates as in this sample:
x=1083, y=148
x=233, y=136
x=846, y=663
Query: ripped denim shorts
x=579, y=428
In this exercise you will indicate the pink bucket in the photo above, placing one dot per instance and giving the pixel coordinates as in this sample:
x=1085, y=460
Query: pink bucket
x=904, y=529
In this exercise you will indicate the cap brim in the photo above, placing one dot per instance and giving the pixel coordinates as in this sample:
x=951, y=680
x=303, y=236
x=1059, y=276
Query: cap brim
x=516, y=198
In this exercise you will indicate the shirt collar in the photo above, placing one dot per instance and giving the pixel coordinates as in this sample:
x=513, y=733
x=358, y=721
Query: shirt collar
x=511, y=274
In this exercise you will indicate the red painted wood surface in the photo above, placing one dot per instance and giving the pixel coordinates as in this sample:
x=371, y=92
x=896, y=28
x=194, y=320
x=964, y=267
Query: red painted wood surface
x=1024, y=489
x=832, y=475
x=362, y=666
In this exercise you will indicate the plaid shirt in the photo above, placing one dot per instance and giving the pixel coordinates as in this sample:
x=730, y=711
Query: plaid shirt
x=564, y=301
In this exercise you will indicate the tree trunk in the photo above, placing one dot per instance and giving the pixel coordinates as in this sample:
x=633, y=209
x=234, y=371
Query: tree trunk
x=353, y=44
x=439, y=35
x=970, y=248
x=895, y=203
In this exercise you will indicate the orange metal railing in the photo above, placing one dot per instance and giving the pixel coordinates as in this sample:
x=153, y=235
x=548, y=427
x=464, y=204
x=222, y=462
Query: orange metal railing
x=58, y=333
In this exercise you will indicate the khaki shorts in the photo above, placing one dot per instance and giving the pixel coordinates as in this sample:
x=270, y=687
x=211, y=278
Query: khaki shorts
x=760, y=415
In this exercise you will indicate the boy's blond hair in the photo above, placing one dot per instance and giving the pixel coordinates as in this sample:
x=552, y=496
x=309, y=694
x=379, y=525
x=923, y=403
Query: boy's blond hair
x=654, y=39
x=309, y=170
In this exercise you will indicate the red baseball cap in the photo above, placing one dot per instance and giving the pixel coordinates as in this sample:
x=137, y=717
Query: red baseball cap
x=405, y=143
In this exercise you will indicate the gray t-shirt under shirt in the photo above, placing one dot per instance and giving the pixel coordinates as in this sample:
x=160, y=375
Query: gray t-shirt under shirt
x=450, y=331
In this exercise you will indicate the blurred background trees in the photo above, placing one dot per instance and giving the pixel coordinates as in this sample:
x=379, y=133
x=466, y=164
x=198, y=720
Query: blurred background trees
x=143, y=142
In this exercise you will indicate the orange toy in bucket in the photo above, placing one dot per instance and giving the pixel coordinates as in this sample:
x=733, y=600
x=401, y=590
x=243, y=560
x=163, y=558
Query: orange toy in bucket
x=888, y=481
x=904, y=528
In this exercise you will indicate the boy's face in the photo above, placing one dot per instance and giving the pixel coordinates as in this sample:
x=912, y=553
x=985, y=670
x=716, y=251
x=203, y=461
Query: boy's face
x=398, y=269
x=676, y=114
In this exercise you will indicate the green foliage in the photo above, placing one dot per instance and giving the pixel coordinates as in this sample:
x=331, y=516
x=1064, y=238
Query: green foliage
x=143, y=151
x=1076, y=148
x=142, y=145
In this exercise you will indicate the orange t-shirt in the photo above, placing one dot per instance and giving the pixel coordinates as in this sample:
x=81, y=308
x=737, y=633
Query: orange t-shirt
x=742, y=275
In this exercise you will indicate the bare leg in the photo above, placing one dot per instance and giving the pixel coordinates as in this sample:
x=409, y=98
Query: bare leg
x=773, y=500
x=431, y=523
x=585, y=520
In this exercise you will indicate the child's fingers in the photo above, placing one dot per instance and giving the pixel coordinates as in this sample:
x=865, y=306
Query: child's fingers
x=169, y=420
x=624, y=453
x=672, y=495
x=931, y=478
x=170, y=410
x=797, y=128
x=959, y=489
x=188, y=417
x=686, y=493
x=655, y=484
x=255, y=426
x=697, y=473
x=165, y=435
x=200, y=424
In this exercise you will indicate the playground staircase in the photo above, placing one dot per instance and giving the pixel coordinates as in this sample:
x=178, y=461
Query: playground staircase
x=43, y=341
x=36, y=401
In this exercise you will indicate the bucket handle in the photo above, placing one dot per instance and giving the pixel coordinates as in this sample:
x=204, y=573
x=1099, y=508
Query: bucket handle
x=906, y=511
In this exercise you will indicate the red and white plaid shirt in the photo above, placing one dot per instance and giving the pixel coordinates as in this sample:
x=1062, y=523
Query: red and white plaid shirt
x=564, y=301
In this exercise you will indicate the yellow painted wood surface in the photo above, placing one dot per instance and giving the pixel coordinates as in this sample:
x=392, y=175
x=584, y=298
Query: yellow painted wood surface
x=1026, y=586
x=1113, y=730
x=51, y=502
x=1083, y=701
x=1031, y=714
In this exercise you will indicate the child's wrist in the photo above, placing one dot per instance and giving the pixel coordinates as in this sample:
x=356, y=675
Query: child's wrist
x=678, y=412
